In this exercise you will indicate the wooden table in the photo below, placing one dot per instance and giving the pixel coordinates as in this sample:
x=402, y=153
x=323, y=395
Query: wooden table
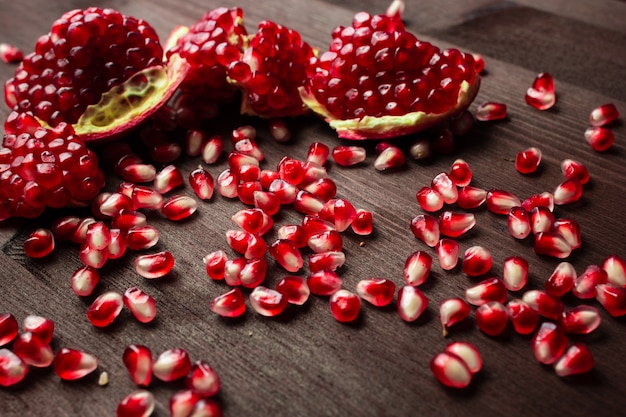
x=304, y=363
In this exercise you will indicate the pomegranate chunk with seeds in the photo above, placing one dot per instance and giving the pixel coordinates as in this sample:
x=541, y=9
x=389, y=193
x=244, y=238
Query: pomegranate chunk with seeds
x=411, y=303
x=377, y=291
x=229, y=304
x=105, y=309
x=527, y=161
x=8, y=328
x=12, y=368
x=345, y=306
x=156, y=265
x=71, y=364
x=267, y=302
x=451, y=370
x=603, y=115
x=138, y=361
x=549, y=343
x=171, y=365
x=39, y=243
x=576, y=360
x=138, y=403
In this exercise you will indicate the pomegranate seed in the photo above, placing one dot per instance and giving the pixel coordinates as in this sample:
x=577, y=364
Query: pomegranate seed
x=179, y=207
x=285, y=192
x=327, y=241
x=426, y=228
x=98, y=236
x=138, y=361
x=515, y=273
x=527, y=161
x=279, y=131
x=250, y=245
x=340, y=212
x=575, y=169
x=64, y=228
x=471, y=197
x=599, y=138
x=183, y=403
x=452, y=311
x=203, y=380
x=318, y=153
x=92, y=257
x=392, y=157
x=12, y=369
x=8, y=328
x=576, y=360
x=569, y=191
x=32, y=350
x=39, y=243
x=460, y=173
x=447, y=253
x=489, y=111
x=544, y=199
x=290, y=170
x=348, y=155
x=295, y=234
x=165, y=153
x=105, y=309
x=541, y=220
x=312, y=225
x=243, y=132
x=267, y=302
x=323, y=188
x=477, y=261
x=294, y=288
x=615, y=268
x=140, y=304
x=250, y=220
x=421, y=149
x=117, y=247
x=451, y=370
x=582, y=319
x=569, y=230
x=501, y=202
x=541, y=94
x=562, y=280
x=444, y=185
x=307, y=203
x=468, y=353
x=10, y=53
x=155, y=265
x=125, y=161
x=549, y=343
x=479, y=63
x=226, y=184
x=395, y=9
x=417, y=268
x=453, y=224
x=362, y=223
x=429, y=199
x=207, y=408
x=266, y=201
x=376, y=291
x=518, y=223
x=125, y=219
x=138, y=173
x=345, y=306
x=443, y=142
x=585, y=283
x=138, y=403
x=523, y=317
x=115, y=203
x=613, y=299
x=171, y=365
x=253, y=272
x=125, y=188
x=544, y=304
x=249, y=148
x=146, y=198
x=194, y=142
x=212, y=149
x=324, y=283
x=603, y=115
x=229, y=304
x=552, y=244
x=72, y=364
x=232, y=271
x=411, y=303
x=326, y=261
x=490, y=289
x=41, y=327
x=492, y=318
x=215, y=263
x=84, y=280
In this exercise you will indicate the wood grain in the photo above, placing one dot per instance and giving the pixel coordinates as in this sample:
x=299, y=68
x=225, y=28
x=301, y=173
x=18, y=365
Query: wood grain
x=304, y=362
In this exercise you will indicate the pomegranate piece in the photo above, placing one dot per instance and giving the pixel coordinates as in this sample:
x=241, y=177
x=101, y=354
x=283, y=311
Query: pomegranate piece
x=171, y=365
x=39, y=243
x=582, y=319
x=8, y=328
x=229, y=304
x=544, y=304
x=490, y=289
x=285, y=192
x=452, y=311
x=411, y=303
x=207, y=407
x=426, y=228
x=10, y=53
x=544, y=199
x=71, y=364
x=574, y=169
x=447, y=253
x=429, y=199
x=138, y=173
x=286, y=254
x=460, y=173
x=98, y=236
x=324, y=282
x=226, y=184
x=390, y=158
x=12, y=369
x=453, y=224
x=362, y=223
x=527, y=161
x=377, y=291
x=279, y=130
x=215, y=263
x=518, y=223
x=347, y=156
x=294, y=288
x=253, y=272
x=267, y=302
x=490, y=111
x=155, y=265
x=232, y=271
x=140, y=304
x=501, y=202
x=471, y=197
x=345, y=306
x=307, y=203
x=167, y=179
x=421, y=149
x=266, y=201
x=562, y=280
x=541, y=220
x=569, y=230
x=326, y=261
x=64, y=228
x=248, y=244
x=576, y=360
x=323, y=188
x=417, y=268
x=115, y=203
x=92, y=257
x=138, y=403
x=328, y=241
x=549, y=343
x=84, y=281
x=451, y=370
x=523, y=317
x=468, y=353
x=318, y=153
x=600, y=139
x=515, y=273
x=567, y=192
x=613, y=299
x=182, y=403
x=32, y=350
x=492, y=318
x=142, y=237
x=615, y=268
x=477, y=261
x=541, y=94
x=138, y=361
x=146, y=198
x=212, y=149
x=179, y=207
x=250, y=220
x=444, y=185
x=125, y=219
x=552, y=244
x=603, y=115
x=585, y=283
x=42, y=327
x=338, y=211
x=105, y=309
x=297, y=235
x=203, y=379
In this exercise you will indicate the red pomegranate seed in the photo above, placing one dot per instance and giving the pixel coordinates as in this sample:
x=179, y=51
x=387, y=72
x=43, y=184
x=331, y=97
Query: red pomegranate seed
x=348, y=155
x=92, y=257
x=323, y=188
x=8, y=328
x=492, y=318
x=527, y=161
x=340, y=212
x=518, y=223
x=267, y=302
x=279, y=131
x=345, y=306
x=117, y=246
x=501, y=202
x=285, y=192
x=10, y=53
x=72, y=364
x=39, y=243
x=452, y=311
x=479, y=63
x=140, y=304
x=154, y=265
x=42, y=327
x=562, y=280
x=295, y=234
x=203, y=379
x=243, y=132
x=294, y=288
x=307, y=203
x=126, y=219
x=460, y=173
x=125, y=188
x=523, y=317
x=490, y=289
x=105, y=309
x=138, y=403
x=613, y=299
x=250, y=220
x=212, y=149
x=544, y=304
x=290, y=170
x=32, y=350
x=183, y=403
x=515, y=273
x=603, y=115
x=477, y=261
x=253, y=272
x=266, y=201
x=585, y=283
x=324, y=283
x=489, y=111
x=567, y=192
x=468, y=353
x=411, y=303
x=426, y=228
x=318, y=153
x=326, y=261
x=12, y=369
x=576, y=360
x=64, y=228
x=599, y=138
x=549, y=343
x=115, y=203
x=179, y=207
x=250, y=245
x=165, y=153
x=421, y=149
x=98, y=236
x=443, y=142
x=552, y=244
x=226, y=184
x=171, y=365
x=454, y=224
x=417, y=268
x=362, y=223
x=249, y=148
x=541, y=94
x=215, y=263
x=429, y=199
x=312, y=225
x=146, y=198
x=444, y=185
x=615, y=268
x=229, y=304
x=575, y=169
x=138, y=361
x=125, y=161
x=447, y=253
x=138, y=173
x=544, y=199
x=451, y=370
x=206, y=408
x=376, y=291
x=232, y=271
x=582, y=319
x=569, y=230
x=471, y=197
x=392, y=157
x=195, y=140
x=84, y=280
x=327, y=241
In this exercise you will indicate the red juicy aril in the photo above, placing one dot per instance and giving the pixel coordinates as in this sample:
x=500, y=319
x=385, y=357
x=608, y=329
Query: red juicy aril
x=377, y=80
x=98, y=70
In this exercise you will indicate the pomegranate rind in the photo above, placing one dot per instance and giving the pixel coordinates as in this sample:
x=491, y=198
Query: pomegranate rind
x=385, y=127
